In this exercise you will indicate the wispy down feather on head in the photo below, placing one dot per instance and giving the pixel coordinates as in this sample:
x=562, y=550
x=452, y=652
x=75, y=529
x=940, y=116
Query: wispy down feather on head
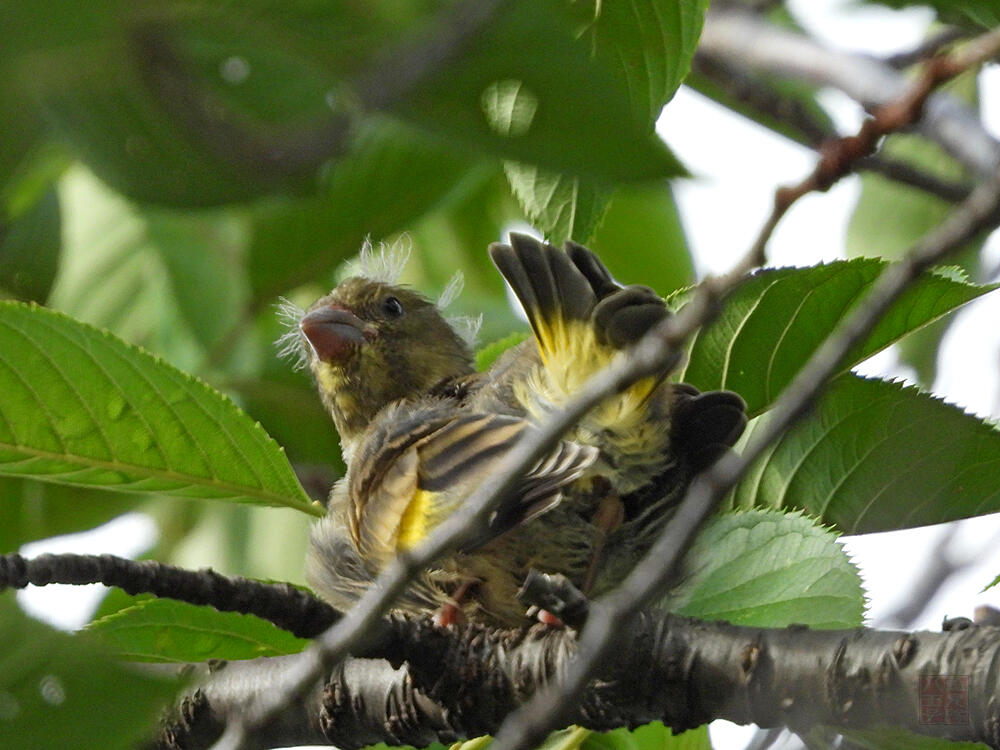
x=384, y=265
x=289, y=343
x=466, y=326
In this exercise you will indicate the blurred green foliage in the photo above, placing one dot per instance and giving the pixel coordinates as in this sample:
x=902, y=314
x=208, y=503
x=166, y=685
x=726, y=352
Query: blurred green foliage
x=170, y=170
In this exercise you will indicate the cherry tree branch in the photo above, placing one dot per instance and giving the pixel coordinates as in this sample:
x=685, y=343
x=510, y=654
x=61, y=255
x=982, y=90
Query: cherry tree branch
x=447, y=684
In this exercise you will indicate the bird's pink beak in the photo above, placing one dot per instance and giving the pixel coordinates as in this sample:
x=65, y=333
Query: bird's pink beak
x=334, y=332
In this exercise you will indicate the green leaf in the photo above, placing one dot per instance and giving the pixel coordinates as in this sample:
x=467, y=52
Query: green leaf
x=23, y=136
x=78, y=406
x=170, y=281
x=992, y=583
x=772, y=323
x=203, y=257
x=529, y=91
x=162, y=630
x=489, y=353
x=50, y=683
x=173, y=123
x=29, y=250
x=642, y=230
x=983, y=14
x=208, y=107
x=650, y=43
x=876, y=456
x=112, y=277
x=889, y=738
x=562, y=207
x=770, y=569
x=393, y=177
x=652, y=736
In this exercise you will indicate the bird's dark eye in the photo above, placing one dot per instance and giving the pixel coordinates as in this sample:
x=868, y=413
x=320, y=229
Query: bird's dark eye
x=392, y=306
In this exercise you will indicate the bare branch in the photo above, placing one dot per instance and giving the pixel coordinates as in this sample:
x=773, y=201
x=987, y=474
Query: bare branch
x=291, y=609
x=743, y=39
x=927, y=48
x=839, y=156
x=791, y=117
x=941, y=566
x=906, y=174
x=460, y=682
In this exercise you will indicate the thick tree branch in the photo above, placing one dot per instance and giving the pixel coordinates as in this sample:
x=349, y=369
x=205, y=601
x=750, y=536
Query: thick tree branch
x=460, y=682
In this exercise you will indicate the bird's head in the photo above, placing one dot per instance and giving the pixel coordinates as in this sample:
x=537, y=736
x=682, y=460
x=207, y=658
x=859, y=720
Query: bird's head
x=369, y=343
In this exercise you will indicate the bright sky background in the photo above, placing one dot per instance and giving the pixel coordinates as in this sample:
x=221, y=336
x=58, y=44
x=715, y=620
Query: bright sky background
x=737, y=167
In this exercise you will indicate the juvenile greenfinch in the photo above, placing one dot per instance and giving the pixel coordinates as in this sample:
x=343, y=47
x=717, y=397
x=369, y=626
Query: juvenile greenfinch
x=421, y=429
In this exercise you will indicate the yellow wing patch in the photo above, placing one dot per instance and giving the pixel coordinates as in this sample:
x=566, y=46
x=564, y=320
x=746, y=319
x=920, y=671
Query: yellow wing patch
x=413, y=524
x=572, y=354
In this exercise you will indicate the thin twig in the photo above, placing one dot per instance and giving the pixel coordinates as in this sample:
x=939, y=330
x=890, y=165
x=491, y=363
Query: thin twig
x=755, y=92
x=744, y=39
x=906, y=174
x=289, y=608
x=927, y=48
x=801, y=124
x=840, y=156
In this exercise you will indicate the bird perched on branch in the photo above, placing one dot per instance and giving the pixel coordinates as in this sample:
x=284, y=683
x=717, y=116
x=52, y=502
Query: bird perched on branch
x=421, y=429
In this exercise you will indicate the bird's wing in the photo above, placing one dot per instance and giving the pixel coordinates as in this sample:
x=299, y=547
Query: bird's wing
x=705, y=425
x=425, y=479
x=579, y=314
